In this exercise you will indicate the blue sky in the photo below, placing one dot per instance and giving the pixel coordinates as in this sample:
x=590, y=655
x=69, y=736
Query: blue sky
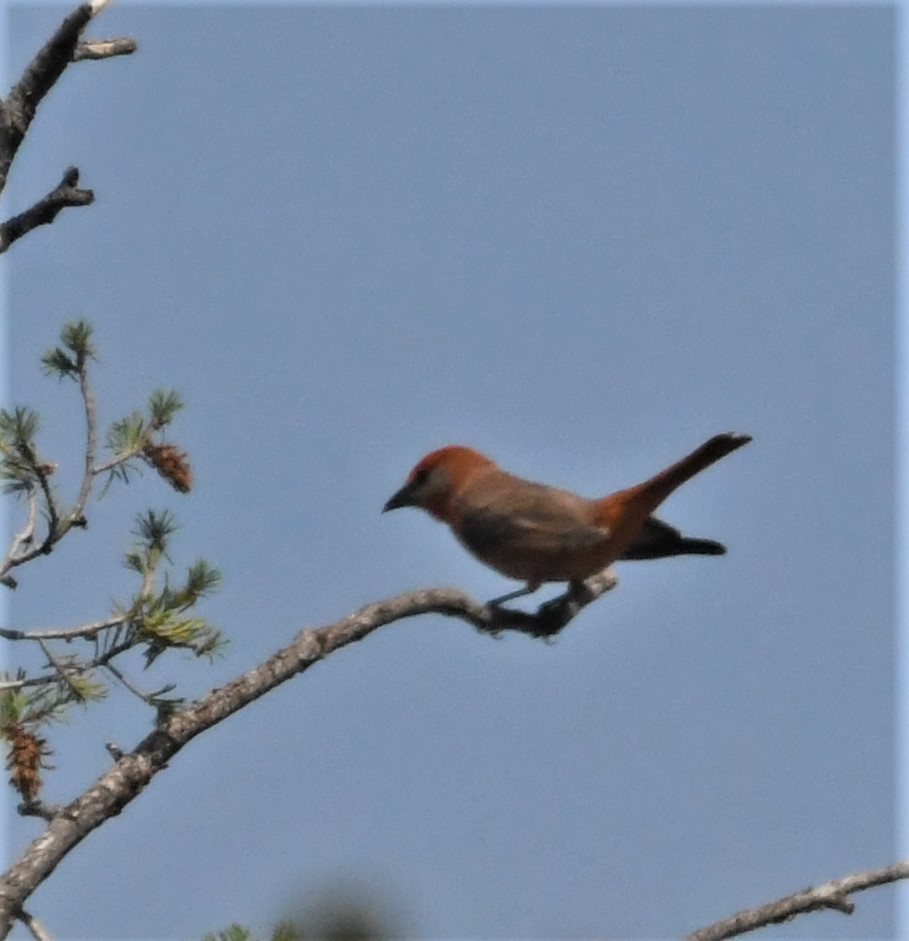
x=582, y=240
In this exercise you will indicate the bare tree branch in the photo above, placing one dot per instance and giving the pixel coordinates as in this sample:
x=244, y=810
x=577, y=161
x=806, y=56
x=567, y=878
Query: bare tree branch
x=69, y=825
x=65, y=193
x=37, y=80
x=832, y=895
x=18, y=110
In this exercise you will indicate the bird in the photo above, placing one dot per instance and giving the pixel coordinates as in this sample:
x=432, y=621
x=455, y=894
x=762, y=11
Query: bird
x=537, y=534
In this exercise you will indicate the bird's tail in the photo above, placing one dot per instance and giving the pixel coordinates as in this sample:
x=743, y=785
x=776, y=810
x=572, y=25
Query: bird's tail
x=701, y=547
x=653, y=492
x=659, y=540
x=666, y=548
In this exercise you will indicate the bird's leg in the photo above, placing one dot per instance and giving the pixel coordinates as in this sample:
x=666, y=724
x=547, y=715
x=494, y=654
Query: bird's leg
x=577, y=595
x=578, y=591
x=528, y=589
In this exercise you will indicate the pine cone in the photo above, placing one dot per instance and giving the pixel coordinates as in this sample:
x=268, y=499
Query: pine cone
x=25, y=759
x=172, y=464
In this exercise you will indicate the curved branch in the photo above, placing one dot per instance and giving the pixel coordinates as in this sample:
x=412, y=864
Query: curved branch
x=37, y=80
x=69, y=825
x=833, y=895
x=21, y=539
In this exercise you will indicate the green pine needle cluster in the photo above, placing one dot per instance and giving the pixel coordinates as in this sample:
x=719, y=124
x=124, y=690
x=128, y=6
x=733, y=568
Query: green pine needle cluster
x=156, y=616
x=20, y=468
x=128, y=437
x=39, y=705
x=69, y=359
x=163, y=405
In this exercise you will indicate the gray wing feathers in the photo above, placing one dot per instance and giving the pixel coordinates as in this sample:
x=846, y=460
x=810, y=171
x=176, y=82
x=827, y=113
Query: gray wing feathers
x=532, y=517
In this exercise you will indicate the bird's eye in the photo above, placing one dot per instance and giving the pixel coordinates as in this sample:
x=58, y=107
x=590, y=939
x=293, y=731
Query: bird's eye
x=419, y=478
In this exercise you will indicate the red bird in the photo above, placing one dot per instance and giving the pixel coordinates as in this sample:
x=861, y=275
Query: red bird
x=538, y=533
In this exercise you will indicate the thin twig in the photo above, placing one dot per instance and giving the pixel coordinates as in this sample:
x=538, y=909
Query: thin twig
x=145, y=697
x=87, y=631
x=17, y=553
x=27, y=533
x=42, y=472
x=77, y=516
x=53, y=535
x=87, y=666
x=25, y=536
x=53, y=513
x=119, y=459
x=6, y=685
x=109, y=655
x=61, y=671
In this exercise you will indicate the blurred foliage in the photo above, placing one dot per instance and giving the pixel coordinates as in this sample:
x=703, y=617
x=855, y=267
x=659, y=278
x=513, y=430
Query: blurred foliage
x=345, y=913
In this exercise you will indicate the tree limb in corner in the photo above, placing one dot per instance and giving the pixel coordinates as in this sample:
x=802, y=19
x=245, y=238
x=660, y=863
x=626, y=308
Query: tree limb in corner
x=17, y=111
x=832, y=895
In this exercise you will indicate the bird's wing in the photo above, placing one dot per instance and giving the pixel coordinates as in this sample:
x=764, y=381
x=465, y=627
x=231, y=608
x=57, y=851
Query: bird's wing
x=529, y=517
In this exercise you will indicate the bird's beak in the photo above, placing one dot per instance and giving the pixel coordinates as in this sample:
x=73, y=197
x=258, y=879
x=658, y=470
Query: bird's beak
x=403, y=497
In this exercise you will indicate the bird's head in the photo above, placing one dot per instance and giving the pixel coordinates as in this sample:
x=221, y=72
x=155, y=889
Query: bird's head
x=437, y=478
